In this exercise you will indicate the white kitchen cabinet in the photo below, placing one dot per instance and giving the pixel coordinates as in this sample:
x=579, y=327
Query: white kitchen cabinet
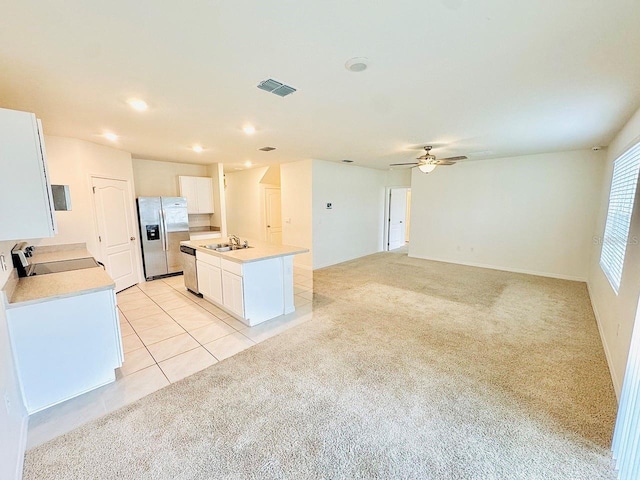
x=199, y=193
x=65, y=346
x=232, y=293
x=210, y=282
x=209, y=277
x=25, y=189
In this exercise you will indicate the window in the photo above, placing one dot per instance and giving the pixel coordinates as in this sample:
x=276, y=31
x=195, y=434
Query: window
x=616, y=230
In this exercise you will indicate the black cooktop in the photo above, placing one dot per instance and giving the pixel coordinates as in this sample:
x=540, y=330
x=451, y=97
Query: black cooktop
x=62, y=266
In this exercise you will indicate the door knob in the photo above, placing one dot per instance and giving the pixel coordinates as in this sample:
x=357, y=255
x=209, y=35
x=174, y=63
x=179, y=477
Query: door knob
x=132, y=238
x=268, y=226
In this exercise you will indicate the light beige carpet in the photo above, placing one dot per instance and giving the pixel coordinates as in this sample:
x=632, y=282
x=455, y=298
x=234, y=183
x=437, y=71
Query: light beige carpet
x=410, y=369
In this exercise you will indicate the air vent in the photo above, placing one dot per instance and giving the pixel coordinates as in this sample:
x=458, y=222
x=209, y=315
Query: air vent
x=273, y=86
x=284, y=90
x=267, y=149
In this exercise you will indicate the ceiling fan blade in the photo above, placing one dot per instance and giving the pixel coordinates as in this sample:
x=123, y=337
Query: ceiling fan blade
x=453, y=159
x=397, y=164
x=444, y=163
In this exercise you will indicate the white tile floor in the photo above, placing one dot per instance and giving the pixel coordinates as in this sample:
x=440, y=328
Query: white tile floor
x=168, y=334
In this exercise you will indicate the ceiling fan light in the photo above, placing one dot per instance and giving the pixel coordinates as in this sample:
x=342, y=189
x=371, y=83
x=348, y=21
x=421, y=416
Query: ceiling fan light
x=427, y=168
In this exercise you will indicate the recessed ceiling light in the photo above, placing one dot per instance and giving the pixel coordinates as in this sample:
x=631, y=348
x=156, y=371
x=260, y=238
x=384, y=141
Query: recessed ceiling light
x=357, y=64
x=248, y=163
x=137, y=104
x=197, y=149
x=110, y=136
x=249, y=129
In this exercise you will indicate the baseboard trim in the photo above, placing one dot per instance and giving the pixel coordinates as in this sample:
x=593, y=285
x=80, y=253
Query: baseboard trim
x=605, y=345
x=506, y=269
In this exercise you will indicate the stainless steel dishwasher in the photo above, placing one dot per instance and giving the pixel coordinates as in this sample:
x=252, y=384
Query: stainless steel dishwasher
x=190, y=269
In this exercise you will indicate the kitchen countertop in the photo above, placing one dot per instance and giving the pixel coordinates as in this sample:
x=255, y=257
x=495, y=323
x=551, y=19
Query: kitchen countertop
x=40, y=288
x=259, y=251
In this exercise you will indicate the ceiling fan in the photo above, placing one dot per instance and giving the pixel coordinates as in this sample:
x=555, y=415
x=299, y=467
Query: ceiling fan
x=427, y=163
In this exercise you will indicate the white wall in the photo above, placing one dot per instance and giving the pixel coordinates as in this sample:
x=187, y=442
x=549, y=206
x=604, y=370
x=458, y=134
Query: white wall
x=153, y=178
x=72, y=162
x=616, y=313
x=534, y=214
x=353, y=227
x=244, y=198
x=218, y=218
x=295, y=188
x=398, y=177
x=13, y=421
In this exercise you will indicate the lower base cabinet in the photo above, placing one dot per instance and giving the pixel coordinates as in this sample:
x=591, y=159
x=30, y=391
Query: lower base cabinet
x=65, y=347
x=210, y=282
x=232, y=294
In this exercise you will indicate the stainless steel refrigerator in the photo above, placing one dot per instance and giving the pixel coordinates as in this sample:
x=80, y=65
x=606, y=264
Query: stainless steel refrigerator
x=164, y=223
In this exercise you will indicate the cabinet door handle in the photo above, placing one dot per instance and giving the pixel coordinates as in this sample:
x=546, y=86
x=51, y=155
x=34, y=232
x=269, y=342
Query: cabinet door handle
x=132, y=238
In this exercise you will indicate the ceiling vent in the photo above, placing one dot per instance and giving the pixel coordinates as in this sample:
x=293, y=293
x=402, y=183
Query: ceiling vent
x=273, y=86
x=267, y=149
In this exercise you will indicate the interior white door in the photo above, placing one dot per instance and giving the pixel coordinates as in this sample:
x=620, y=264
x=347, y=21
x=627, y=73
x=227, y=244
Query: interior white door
x=273, y=215
x=116, y=232
x=397, y=217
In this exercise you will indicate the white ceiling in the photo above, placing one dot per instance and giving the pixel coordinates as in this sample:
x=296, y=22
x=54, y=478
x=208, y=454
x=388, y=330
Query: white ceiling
x=504, y=76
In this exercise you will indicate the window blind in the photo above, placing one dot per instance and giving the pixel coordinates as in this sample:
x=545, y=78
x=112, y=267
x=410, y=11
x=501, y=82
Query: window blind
x=616, y=231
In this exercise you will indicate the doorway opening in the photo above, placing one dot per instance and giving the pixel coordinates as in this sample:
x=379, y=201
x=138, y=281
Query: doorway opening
x=398, y=218
x=273, y=215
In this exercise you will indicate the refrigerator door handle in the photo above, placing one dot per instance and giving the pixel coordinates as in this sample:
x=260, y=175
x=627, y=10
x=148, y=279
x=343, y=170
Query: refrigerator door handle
x=164, y=229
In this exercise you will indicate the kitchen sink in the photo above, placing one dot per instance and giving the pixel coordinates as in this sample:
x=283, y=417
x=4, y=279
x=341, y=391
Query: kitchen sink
x=225, y=247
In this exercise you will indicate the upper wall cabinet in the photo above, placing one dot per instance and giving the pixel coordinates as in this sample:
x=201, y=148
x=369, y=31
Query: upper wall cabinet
x=198, y=192
x=26, y=203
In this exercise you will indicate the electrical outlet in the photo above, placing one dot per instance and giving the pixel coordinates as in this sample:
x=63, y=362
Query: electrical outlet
x=329, y=206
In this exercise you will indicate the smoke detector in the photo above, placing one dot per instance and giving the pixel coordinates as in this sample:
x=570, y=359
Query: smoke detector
x=357, y=64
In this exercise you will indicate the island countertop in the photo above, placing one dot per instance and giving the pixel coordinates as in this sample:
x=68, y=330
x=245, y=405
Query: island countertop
x=257, y=251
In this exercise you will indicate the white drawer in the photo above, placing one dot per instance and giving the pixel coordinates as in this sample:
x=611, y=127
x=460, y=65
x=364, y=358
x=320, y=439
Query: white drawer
x=212, y=260
x=232, y=267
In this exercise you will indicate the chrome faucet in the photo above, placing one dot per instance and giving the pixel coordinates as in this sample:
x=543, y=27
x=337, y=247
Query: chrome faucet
x=234, y=240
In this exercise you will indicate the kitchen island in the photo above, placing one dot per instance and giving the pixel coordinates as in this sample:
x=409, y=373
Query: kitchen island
x=252, y=284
